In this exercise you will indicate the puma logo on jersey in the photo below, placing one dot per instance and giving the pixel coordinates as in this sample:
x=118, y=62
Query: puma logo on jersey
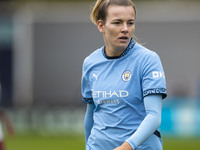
x=95, y=76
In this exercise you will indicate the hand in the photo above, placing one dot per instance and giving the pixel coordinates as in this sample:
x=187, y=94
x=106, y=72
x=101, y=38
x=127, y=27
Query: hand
x=124, y=146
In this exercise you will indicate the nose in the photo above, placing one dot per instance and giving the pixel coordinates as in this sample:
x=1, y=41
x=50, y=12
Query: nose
x=124, y=28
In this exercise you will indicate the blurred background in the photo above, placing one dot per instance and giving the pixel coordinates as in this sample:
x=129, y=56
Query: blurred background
x=42, y=48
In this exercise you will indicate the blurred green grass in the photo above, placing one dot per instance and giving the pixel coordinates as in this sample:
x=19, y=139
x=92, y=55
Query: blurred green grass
x=75, y=142
x=39, y=142
x=181, y=143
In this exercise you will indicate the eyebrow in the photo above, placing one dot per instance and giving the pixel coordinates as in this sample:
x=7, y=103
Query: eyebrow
x=121, y=20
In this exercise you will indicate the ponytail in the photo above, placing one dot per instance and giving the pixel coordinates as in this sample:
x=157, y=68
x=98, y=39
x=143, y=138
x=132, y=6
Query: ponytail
x=96, y=11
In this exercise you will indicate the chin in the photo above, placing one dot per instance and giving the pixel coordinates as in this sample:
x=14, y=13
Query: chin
x=123, y=46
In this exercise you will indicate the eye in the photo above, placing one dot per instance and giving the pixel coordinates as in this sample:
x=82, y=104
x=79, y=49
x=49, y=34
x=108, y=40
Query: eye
x=116, y=22
x=131, y=23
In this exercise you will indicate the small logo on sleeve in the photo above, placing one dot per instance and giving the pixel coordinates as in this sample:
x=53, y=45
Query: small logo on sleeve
x=158, y=74
x=126, y=76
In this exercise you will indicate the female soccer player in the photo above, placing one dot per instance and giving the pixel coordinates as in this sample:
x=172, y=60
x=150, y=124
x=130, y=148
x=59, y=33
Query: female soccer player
x=123, y=84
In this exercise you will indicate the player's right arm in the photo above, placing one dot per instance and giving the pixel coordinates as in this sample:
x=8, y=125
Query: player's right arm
x=88, y=123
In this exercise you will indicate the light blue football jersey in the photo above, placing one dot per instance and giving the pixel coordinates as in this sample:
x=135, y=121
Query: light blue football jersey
x=117, y=87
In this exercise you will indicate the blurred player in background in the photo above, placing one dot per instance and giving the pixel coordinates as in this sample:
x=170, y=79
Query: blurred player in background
x=4, y=121
x=123, y=84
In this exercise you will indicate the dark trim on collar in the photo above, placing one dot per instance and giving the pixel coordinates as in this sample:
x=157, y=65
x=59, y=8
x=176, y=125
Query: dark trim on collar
x=124, y=53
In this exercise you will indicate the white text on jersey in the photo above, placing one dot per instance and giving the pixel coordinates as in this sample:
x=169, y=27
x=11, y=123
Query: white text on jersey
x=158, y=74
x=120, y=93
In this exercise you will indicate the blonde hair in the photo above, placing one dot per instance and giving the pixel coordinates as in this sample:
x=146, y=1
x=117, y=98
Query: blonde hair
x=99, y=10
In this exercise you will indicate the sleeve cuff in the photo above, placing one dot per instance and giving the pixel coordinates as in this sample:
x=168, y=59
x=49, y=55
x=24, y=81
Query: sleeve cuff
x=161, y=91
x=130, y=142
x=87, y=100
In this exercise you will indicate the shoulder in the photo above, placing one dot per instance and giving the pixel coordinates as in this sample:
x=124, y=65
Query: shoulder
x=145, y=52
x=145, y=55
x=93, y=58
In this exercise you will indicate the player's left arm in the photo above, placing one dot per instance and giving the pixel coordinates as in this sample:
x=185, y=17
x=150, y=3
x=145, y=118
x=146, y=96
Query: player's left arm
x=153, y=106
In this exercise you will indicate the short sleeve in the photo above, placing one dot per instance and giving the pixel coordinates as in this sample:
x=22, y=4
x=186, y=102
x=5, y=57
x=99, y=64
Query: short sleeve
x=153, y=79
x=85, y=86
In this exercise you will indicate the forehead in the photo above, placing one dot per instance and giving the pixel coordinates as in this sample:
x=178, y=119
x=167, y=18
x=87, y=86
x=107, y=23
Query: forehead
x=120, y=12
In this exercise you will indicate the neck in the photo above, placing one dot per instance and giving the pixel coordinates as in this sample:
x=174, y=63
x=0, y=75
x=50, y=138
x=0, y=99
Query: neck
x=113, y=52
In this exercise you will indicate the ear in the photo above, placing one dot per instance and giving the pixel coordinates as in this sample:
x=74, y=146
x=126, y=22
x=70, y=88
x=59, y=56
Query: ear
x=100, y=26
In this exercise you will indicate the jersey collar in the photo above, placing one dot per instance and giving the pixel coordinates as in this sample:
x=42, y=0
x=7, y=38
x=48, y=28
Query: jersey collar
x=125, y=52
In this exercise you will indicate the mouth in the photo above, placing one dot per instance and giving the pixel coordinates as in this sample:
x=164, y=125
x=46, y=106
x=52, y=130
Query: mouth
x=124, y=38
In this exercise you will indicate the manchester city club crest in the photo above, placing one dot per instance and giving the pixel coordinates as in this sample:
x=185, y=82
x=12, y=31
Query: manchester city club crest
x=126, y=76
